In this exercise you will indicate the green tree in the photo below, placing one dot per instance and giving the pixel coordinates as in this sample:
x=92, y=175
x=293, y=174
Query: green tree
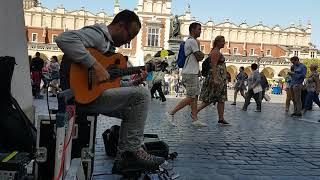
x=307, y=62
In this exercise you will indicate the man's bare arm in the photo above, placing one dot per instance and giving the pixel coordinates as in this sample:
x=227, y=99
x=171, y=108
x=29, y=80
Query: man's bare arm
x=199, y=55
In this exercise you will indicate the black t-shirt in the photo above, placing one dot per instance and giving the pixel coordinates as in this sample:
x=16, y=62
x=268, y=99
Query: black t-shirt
x=36, y=64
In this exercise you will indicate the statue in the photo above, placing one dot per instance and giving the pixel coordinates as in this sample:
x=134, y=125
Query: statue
x=176, y=27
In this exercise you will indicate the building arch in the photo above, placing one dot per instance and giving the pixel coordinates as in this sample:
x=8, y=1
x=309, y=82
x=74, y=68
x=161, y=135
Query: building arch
x=268, y=72
x=283, y=73
x=147, y=57
x=232, y=70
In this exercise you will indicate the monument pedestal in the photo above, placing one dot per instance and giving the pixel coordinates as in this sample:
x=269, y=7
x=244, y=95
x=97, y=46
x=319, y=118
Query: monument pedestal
x=174, y=44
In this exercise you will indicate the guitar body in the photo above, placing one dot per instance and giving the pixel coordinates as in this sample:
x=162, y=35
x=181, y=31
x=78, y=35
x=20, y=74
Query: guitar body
x=86, y=92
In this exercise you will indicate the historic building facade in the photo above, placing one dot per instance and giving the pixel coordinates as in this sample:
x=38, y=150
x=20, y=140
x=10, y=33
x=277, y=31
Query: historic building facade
x=269, y=46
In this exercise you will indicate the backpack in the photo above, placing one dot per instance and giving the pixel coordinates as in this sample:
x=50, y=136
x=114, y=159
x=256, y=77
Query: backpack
x=181, y=56
x=152, y=144
x=111, y=138
x=206, y=67
x=181, y=59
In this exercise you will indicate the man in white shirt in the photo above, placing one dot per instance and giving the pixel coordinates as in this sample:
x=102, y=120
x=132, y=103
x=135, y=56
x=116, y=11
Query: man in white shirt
x=190, y=73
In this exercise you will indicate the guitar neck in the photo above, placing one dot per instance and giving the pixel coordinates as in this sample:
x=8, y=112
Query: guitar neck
x=131, y=70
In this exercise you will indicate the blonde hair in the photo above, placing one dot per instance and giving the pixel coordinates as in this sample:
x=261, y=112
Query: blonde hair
x=217, y=40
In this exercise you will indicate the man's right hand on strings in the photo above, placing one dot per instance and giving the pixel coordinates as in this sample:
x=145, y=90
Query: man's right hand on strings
x=100, y=72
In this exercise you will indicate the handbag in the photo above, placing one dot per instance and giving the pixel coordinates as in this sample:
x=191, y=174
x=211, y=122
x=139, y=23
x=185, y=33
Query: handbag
x=267, y=97
x=257, y=89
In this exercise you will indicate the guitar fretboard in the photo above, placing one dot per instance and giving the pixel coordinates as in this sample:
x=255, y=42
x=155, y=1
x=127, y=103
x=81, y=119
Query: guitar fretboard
x=130, y=70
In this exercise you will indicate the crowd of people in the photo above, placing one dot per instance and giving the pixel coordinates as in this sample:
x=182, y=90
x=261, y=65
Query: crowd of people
x=44, y=76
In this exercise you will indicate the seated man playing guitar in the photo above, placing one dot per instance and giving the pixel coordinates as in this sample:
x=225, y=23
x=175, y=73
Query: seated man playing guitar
x=127, y=103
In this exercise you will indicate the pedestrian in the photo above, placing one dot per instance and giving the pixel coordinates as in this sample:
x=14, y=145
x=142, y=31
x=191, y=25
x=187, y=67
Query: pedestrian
x=190, y=73
x=214, y=89
x=158, y=79
x=312, y=88
x=298, y=75
x=265, y=86
x=54, y=68
x=36, y=66
x=239, y=85
x=289, y=98
x=254, y=89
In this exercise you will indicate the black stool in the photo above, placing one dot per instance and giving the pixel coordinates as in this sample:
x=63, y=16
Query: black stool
x=83, y=143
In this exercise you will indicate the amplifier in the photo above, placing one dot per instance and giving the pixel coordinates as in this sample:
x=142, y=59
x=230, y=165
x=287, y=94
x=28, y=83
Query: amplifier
x=13, y=165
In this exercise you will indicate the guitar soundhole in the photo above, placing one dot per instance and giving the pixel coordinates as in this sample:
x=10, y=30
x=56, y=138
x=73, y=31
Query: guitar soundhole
x=117, y=61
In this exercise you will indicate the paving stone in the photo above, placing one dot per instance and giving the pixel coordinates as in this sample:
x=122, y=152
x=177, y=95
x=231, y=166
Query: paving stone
x=259, y=146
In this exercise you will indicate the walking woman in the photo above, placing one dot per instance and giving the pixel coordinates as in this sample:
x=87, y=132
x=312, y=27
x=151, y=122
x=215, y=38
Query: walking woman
x=214, y=89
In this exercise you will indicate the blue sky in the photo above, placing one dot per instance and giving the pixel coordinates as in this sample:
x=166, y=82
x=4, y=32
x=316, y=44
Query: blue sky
x=270, y=12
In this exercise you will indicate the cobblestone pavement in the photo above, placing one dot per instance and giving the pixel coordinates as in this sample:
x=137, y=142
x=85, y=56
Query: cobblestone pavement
x=266, y=145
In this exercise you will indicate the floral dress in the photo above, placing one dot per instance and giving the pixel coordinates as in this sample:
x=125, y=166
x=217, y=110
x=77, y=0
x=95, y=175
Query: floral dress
x=211, y=93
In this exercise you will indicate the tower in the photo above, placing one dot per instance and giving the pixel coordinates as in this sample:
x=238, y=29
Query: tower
x=27, y=4
x=155, y=6
x=116, y=8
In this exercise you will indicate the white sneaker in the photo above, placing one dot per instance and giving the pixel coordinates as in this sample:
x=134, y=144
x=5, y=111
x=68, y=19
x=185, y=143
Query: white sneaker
x=170, y=119
x=199, y=123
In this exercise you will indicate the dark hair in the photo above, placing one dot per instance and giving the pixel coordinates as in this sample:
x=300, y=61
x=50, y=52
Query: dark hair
x=242, y=67
x=127, y=17
x=37, y=54
x=254, y=66
x=55, y=58
x=294, y=58
x=217, y=40
x=292, y=68
x=193, y=26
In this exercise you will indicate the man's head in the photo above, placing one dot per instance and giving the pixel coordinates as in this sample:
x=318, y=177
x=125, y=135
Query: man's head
x=241, y=69
x=54, y=59
x=195, y=29
x=124, y=27
x=37, y=54
x=254, y=66
x=295, y=60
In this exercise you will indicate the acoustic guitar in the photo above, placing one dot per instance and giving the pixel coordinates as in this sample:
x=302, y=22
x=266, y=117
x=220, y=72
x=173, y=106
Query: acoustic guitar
x=85, y=87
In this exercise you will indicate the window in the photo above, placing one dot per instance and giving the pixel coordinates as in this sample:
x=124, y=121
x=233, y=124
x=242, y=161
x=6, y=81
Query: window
x=235, y=50
x=312, y=54
x=251, y=52
x=153, y=37
x=34, y=37
x=296, y=53
x=127, y=46
x=54, y=37
x=202, y=48
x=269, y=52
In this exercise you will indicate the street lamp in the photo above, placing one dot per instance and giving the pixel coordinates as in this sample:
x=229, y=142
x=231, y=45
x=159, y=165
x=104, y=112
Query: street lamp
x=259, y=58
